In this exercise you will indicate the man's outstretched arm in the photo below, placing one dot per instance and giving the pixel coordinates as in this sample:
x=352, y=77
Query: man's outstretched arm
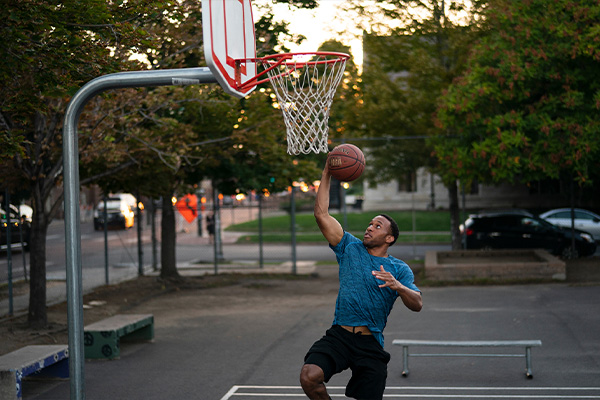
x=329, y=226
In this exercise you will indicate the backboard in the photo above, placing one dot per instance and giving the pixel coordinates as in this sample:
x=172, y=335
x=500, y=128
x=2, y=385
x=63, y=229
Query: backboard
x=228, y=29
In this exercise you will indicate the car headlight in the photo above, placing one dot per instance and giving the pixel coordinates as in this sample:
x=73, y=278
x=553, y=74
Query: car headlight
x=587, y=237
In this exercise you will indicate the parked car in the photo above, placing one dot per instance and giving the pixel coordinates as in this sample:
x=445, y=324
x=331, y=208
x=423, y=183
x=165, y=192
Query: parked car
x=20, y=225
x=118, y=211
x=517, y=229
x=584, y=220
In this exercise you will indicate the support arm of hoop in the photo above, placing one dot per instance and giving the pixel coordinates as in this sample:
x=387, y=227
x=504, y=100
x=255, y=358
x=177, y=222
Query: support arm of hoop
x=254, y=80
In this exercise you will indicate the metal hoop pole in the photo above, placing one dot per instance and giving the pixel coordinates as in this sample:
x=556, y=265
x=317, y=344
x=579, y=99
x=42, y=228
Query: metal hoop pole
x=96, y=86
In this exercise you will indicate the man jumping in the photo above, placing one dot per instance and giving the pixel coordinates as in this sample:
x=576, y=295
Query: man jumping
x=370, y=282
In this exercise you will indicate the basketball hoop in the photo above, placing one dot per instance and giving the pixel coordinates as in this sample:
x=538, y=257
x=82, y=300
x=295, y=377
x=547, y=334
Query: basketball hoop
x=304, y=84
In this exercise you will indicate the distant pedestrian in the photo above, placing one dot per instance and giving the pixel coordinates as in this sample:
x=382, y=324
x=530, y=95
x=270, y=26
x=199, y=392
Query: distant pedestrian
x=210, y=227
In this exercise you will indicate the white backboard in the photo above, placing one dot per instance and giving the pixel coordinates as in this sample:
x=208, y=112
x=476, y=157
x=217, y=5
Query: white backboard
x=228, y=29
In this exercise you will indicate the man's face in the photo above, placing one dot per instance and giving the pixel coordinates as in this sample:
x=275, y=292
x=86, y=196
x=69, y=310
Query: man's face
x=378, y=232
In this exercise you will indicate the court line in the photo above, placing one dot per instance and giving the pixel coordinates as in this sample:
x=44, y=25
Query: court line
x=436, y=387
x=234, y=391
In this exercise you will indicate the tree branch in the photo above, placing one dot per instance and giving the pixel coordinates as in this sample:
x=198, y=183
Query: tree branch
x=116, y=169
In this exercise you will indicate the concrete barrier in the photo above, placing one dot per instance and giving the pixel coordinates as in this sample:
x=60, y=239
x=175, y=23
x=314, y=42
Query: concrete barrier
x=498, y=265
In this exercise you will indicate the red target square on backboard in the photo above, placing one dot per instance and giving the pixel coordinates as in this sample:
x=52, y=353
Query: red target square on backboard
x=228, y=30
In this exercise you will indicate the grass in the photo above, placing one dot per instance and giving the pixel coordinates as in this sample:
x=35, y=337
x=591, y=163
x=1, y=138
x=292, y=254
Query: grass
x=428, y=225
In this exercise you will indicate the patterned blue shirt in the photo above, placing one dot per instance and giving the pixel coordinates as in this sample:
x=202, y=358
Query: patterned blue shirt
x=360, y=301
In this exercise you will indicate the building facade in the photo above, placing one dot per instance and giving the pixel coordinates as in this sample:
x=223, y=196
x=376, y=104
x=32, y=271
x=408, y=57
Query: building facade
x=430, y=194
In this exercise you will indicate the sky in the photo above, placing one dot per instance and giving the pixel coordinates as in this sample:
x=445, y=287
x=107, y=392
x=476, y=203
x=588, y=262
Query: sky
x=319, y=25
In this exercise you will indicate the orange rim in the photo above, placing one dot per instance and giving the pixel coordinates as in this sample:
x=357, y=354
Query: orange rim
x=275, y=60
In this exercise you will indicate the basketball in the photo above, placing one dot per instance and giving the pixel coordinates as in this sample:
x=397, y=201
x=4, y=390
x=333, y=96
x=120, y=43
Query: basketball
x=346, y=162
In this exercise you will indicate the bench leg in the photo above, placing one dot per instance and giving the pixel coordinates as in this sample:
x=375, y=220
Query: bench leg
x=10, y=385
x=101, y=345
x=405, y=361
x=528, y=372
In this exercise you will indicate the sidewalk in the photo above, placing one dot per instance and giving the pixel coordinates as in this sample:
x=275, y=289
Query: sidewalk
x=56, y=287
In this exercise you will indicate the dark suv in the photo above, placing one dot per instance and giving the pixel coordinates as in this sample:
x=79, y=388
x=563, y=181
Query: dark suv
x=516, y=229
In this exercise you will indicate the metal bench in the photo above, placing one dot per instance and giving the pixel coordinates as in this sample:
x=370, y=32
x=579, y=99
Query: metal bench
x=40, y=361
x=527, y=344
x=102, y=339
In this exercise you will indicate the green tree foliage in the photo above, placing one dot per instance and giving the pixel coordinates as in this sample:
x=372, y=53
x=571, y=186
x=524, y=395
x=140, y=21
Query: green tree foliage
x=45, y=59
x=406, y=69
x=527, y=106
x=169, y=138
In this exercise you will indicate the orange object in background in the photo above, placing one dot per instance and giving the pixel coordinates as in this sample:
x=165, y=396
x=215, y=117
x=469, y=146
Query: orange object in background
x=188, y=207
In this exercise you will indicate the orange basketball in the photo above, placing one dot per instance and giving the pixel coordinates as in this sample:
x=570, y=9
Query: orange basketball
x=346, y=162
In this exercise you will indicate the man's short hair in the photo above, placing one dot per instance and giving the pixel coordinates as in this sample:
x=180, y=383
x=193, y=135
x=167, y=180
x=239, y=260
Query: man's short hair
x=394, y=227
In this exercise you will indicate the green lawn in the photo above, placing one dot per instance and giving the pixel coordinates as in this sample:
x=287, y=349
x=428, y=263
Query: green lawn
x=277, y=229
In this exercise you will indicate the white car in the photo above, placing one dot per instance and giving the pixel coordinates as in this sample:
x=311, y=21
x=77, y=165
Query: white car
x=584, y=220
x=26, y=211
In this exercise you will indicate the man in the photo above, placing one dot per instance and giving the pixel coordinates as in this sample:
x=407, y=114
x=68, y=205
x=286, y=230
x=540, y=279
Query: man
x=370, y=282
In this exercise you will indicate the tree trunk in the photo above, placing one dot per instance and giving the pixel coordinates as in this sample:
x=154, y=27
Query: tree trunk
x=42, y=171
x=454, y=216
x=168, y=261
x=37, y=316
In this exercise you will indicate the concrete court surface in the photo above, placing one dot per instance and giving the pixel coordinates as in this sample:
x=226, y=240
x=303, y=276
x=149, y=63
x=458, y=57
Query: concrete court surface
x=248, y=341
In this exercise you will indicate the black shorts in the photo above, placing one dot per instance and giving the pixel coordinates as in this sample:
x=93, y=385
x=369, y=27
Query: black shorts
x=339, y=350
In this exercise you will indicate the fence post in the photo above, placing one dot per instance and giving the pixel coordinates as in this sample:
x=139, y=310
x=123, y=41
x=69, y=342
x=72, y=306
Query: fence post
x=105, y=229
x=138, y=216
x=260, y=231
x=293, y=227
x=153, y=234
x=9, y=250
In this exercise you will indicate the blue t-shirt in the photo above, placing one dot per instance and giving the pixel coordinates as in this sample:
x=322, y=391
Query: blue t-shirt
x=360, y=301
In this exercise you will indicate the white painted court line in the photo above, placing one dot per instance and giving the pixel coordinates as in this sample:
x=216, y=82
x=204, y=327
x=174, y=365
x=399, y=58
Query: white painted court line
x=250, y=391
x=538, y=388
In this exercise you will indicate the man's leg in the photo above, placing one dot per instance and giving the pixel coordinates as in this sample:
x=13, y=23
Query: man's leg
x=312, y=379
x=369, y=375
x=327, y=357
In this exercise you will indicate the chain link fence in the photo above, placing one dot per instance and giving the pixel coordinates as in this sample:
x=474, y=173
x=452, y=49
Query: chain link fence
x=116, y=254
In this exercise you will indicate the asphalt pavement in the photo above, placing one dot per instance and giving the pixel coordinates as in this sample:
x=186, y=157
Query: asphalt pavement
x=244, y=343
x=248, y=342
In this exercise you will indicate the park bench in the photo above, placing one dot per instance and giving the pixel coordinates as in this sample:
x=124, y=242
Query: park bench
x=102, y=339
x=39, y=361
x=526, y=344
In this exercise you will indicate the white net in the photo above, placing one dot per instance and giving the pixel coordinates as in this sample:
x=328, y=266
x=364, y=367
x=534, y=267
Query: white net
x=305, y=86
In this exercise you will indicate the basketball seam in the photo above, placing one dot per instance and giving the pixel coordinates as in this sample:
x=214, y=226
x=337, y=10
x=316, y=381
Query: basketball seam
x=354, y=173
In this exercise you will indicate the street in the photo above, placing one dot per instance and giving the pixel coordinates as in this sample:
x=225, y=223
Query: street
x=123, y=250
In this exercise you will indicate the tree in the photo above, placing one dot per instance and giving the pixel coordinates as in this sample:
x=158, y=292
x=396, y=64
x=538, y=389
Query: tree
x=179, y=136
x=527, y=106
x=406, y=70
x=44, y=61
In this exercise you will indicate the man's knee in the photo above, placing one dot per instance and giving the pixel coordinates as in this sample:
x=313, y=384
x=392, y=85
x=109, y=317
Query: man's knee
x=311, y=376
